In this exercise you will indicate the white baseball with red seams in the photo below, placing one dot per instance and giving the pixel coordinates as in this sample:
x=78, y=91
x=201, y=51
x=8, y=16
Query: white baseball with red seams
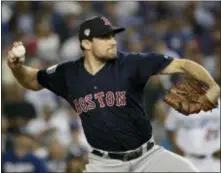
x=19, y=51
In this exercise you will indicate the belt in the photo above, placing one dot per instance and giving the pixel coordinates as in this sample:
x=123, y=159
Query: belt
x=215, y=155
x=198, y=156
x=125, y=156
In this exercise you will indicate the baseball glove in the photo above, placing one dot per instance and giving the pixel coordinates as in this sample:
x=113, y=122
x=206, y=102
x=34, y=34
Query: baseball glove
x=188, y=97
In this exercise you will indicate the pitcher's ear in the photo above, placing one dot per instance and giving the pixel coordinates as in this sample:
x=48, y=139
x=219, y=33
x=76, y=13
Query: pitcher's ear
x=86, y=44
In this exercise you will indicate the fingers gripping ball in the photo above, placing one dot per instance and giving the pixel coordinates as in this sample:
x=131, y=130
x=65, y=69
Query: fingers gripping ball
x=19, y=51
x=188, y=97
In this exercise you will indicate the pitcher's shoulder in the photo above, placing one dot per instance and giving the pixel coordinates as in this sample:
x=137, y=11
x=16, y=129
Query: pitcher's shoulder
x=71, y=64
x=127, y=57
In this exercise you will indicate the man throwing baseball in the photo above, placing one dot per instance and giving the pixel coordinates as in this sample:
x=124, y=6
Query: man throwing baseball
x=105, y=87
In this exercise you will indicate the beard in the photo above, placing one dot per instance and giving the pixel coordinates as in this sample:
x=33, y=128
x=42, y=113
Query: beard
x=110, y=55
x=105, y=58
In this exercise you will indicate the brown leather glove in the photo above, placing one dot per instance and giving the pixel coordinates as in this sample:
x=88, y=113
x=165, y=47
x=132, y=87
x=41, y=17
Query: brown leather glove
x=188, y=97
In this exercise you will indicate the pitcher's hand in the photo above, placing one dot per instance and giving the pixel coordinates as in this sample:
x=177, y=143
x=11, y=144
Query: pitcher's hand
x=13, y=61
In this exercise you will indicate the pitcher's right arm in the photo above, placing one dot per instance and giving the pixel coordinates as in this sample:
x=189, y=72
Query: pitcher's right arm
x=26, y=76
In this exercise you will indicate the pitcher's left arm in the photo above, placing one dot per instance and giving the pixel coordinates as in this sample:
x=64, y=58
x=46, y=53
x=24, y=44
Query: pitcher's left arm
x=196, y=71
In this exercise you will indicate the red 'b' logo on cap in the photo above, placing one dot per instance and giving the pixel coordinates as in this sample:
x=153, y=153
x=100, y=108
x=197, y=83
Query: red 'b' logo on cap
x=106, y=21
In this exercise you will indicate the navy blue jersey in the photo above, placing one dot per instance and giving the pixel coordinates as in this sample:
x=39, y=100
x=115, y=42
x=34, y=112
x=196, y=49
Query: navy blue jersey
x=28, y=163
x=110, y=102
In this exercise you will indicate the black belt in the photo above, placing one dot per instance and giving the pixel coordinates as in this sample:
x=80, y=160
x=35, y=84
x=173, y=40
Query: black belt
x=124, y=156
x=198, y=156
x=215, y=155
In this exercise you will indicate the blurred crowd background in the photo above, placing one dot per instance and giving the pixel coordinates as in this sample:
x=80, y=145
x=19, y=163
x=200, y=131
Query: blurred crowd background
x=43, y=125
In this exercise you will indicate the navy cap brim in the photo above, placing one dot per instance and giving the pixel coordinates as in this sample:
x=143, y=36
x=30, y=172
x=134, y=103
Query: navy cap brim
x=118, y=30
x=114, y=30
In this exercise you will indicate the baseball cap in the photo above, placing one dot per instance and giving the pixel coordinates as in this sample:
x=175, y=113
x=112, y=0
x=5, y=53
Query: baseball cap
x=96, y=27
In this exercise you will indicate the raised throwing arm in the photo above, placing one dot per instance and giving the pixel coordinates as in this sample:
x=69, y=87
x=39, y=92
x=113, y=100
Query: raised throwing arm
x=26, y=76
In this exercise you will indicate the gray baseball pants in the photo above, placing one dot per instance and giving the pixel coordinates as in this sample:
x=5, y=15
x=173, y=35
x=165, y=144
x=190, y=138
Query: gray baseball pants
x=156, y=159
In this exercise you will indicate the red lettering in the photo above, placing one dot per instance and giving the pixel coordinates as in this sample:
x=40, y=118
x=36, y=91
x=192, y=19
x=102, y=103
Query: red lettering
x=83, y=105
x=91, y=104
x=110, y=98
x=121, y=98
x=99, y=96
x=77, y=106
x=106, y=21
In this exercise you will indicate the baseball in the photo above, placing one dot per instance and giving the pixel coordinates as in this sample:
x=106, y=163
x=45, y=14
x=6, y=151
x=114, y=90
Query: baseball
x=19, y=51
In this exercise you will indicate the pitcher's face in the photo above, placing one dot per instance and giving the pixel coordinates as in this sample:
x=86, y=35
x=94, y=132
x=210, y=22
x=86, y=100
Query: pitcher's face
x=104, y=47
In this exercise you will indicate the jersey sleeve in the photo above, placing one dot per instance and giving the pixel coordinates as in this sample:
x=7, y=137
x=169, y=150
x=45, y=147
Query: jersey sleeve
x=149, y=64
x=171, y=122
x=53, y=78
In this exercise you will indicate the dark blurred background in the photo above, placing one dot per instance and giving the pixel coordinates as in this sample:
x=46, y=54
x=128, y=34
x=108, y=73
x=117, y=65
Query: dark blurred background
x=44, y=126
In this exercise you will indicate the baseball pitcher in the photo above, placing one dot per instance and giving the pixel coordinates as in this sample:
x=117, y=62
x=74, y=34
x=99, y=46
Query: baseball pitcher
x=105, y=87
